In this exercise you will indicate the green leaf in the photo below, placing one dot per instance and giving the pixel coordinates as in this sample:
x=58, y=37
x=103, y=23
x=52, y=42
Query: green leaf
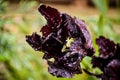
x=102, y=5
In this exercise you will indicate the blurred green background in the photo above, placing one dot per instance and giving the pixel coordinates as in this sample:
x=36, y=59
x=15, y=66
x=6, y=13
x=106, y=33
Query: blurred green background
x=18, y=61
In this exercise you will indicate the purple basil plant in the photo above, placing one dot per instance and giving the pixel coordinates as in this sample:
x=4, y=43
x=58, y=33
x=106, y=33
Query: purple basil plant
x=66, y=63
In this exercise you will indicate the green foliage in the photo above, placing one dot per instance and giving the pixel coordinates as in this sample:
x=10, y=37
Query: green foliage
x=26, y=6
x=17, y=59
x=102, y=5
x=3, y=4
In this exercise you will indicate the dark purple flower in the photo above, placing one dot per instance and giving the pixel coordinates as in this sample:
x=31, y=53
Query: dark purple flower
x=59, y=27
x=108, y=60
x=106, y=47
x=112, y=70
